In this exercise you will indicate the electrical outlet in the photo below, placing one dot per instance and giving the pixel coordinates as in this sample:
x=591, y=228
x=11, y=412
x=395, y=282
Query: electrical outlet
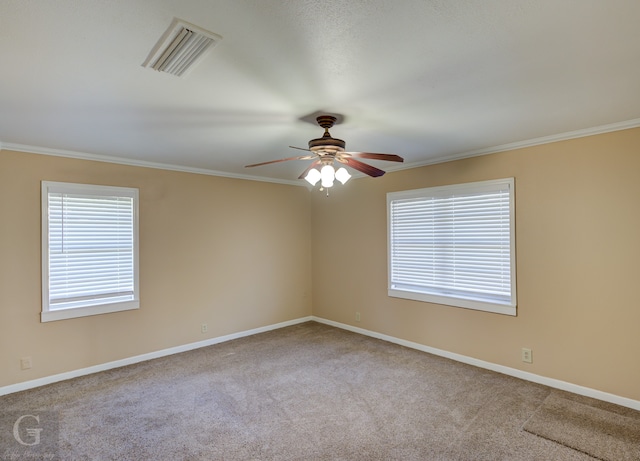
x=25, y=363
x=204, y=328
x=357, y=316
x=527, y=355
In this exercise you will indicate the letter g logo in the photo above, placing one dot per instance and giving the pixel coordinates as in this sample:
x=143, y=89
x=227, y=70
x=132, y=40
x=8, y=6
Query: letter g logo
x=31, y=432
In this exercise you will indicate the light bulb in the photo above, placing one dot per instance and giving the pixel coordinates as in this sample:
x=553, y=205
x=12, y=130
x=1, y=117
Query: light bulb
x=313, y=176
x=342, y=175
x=328, y=174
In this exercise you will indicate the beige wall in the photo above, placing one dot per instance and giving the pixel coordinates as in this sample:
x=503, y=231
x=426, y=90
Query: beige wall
x=231, y=253
x=578, y=262
x=241, y=254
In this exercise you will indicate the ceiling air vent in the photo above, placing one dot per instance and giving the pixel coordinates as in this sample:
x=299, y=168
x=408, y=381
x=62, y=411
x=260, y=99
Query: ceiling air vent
x=181, y=47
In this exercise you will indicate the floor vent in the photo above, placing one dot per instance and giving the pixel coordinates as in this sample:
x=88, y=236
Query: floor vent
x=181, y=47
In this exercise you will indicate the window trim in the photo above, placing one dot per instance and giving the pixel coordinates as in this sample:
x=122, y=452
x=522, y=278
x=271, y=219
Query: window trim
x=508, y=308
x=49, y=314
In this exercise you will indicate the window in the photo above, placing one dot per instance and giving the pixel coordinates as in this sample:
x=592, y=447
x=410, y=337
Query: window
x=89, y=250
x=454, y=245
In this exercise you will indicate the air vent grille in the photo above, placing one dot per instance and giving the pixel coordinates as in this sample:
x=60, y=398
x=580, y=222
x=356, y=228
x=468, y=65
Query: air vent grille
x=181, y=47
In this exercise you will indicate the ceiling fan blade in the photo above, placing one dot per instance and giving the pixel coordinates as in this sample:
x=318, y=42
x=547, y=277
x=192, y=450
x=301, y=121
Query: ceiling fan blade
x=362, y=167
x=373, y=156
x=301, y=148
x=313, y=165
x=301, y=157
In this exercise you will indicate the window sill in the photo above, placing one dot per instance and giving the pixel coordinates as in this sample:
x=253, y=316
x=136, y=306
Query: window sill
x=455, y=302
x=63, y=314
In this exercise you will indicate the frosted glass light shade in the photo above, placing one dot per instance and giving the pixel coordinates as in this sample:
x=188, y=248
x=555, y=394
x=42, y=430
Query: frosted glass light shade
x=342, y=175
x=327, y=174
x=313, y=176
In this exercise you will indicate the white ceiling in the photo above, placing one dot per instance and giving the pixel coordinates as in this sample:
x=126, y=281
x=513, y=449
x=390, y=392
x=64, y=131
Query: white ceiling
x=426, y=79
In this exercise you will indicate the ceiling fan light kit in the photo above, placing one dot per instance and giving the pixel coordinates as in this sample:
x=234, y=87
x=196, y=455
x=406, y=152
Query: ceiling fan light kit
x=325, y=150
x=327, y=174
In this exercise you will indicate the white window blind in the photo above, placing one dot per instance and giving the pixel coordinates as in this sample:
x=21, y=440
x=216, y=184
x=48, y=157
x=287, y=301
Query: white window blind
x=454, y=245
x=89, y=250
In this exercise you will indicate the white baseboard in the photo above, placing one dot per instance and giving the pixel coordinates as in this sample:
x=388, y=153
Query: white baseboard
x=141, y=358
x=555, y=383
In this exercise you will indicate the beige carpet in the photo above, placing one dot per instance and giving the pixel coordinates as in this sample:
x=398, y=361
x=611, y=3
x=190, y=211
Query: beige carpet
x=306, y=392
x=601, y=433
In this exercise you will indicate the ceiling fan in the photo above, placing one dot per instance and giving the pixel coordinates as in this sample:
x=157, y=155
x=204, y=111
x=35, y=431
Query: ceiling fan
x=325, y=150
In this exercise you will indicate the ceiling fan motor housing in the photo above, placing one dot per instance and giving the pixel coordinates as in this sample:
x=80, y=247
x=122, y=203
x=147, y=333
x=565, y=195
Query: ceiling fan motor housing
x=326, y=142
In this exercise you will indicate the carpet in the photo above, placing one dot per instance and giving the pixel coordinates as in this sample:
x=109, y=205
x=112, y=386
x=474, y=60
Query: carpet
x=598, y=432
x=306, y=392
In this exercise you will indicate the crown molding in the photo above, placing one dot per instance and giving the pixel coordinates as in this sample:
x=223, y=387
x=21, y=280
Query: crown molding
x=140, y=163
x=619, y=126
x=625, y=125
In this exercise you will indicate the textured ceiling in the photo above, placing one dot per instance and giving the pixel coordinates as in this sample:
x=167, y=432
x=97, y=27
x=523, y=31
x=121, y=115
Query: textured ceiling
x=425, y=79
